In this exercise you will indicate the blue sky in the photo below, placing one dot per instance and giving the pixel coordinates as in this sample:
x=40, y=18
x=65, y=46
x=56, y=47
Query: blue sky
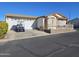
x=69, y=9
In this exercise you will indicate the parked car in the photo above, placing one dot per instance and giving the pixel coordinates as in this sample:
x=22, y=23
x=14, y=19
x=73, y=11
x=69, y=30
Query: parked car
x=18, y=28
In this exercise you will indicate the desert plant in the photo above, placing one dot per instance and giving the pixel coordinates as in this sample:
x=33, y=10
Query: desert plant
x=3, y=29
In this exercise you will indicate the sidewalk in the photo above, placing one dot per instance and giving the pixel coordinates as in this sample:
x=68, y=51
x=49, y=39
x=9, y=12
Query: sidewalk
x=9, y=36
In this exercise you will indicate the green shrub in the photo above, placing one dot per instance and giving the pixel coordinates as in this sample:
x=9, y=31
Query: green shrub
x=3, y=29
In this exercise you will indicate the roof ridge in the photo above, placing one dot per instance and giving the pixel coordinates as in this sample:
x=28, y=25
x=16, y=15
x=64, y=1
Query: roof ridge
x=9, y=14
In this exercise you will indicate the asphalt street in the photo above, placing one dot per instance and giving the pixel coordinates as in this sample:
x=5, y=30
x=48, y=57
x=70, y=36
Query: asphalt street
x=57, y=45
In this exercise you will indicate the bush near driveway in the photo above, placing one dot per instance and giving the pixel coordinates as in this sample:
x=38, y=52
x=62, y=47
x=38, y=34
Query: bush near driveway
x=3, y=29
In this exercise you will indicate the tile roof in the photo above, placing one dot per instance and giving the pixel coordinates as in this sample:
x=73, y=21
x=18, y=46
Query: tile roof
x=59, y=16
x=20, y=16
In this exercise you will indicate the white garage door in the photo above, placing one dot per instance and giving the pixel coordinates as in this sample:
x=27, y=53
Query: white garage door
x=28, y=24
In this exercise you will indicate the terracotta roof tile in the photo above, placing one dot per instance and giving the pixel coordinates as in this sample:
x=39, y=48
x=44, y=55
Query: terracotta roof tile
x=59, y=16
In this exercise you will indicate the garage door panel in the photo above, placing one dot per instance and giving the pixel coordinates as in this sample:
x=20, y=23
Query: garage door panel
x=28, y=24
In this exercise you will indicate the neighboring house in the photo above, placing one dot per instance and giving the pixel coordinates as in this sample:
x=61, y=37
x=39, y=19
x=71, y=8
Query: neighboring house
x=75, y=22
x=52, y=22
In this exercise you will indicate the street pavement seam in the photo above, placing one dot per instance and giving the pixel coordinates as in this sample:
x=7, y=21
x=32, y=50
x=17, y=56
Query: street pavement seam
x=37, y=55
x=58, y=51
x=74, y=45
x=51, y=52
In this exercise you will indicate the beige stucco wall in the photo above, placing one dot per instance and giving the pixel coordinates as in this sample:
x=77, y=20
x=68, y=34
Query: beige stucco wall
x=52, y=22
x=61, y=22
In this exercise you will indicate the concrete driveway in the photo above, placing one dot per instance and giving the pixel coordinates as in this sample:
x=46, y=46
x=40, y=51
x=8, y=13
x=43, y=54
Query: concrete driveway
x=58, y=45
x=29, y=34
x=12, y=35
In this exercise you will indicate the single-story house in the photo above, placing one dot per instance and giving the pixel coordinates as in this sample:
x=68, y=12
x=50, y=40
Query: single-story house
x=53, y=21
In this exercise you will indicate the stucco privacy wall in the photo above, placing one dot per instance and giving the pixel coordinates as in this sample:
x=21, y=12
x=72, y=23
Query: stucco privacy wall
x=27, y=23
